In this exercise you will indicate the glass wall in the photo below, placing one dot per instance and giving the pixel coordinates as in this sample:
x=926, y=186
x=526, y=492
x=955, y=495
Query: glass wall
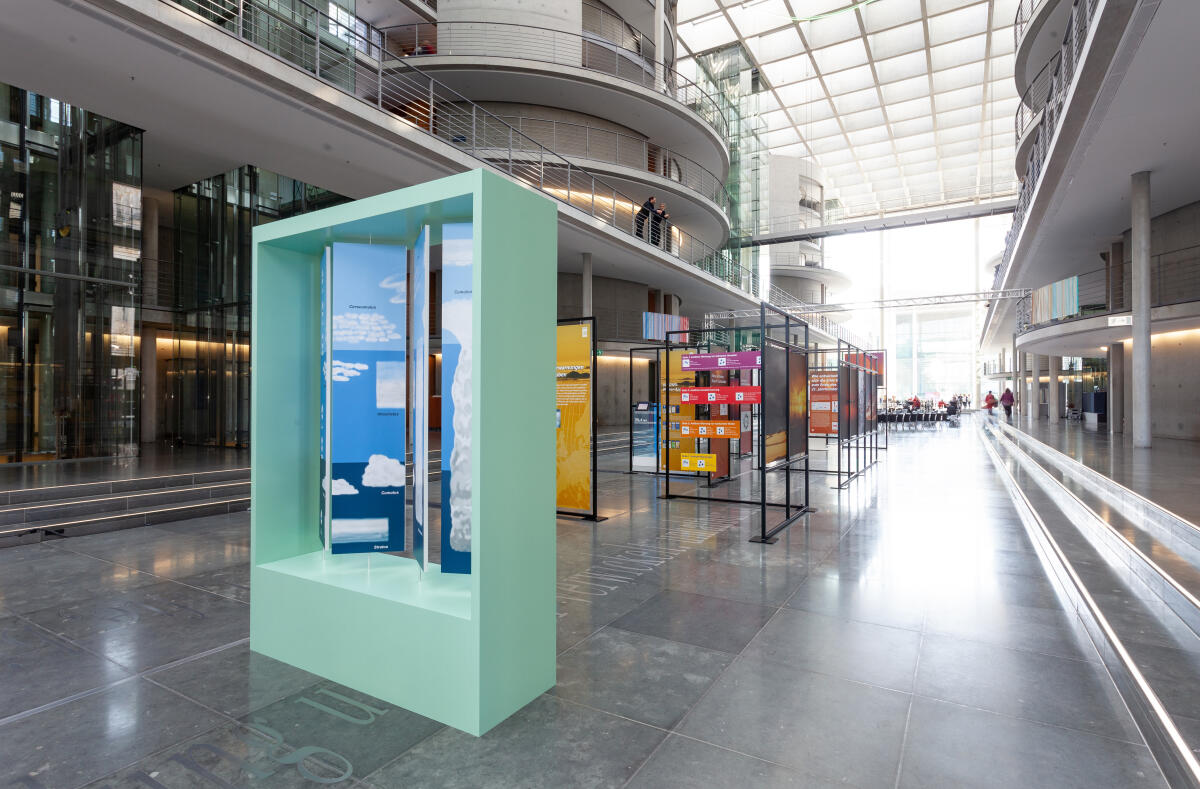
x=206, y=357
x=70, y=248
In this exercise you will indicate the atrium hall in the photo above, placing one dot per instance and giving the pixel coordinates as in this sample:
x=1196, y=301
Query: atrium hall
x=855, y=342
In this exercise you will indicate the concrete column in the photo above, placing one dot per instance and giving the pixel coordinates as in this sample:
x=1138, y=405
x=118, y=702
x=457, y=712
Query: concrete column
x=1116, y=277
x=658, y=302
x=1053, y=401
x=587, y=285
x=1116, y=388
x=1140, y=201
x=1036, y=362
x=660, y=19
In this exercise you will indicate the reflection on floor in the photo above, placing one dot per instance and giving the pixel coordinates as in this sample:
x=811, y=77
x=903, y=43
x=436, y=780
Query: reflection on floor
x=906, y=635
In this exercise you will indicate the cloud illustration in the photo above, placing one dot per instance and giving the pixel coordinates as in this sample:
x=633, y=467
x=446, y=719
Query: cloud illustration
x=397, y=284
x=383, y=472
x=390, y=384
x=344, y=371
x=456, y=319
x=359, y=529
x=460, y=455
x=355, y=328
x=343, y=488
x=457, y=251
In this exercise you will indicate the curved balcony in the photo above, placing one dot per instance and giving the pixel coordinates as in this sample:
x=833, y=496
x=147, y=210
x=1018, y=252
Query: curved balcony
x=1037, y=35
x=351, y=63
x=463, y=52
x=580, y=141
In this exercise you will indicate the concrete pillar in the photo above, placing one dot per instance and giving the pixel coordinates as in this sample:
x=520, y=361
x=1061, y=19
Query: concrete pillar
x=1116, y=277
x=1116, y=388
x=1053, y=400
x=658, y=302
x=660, y=19
x=1140, y=201
x=587, y=285
x=1036, y=362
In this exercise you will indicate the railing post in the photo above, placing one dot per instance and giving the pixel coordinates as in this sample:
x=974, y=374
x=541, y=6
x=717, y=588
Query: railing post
x=431, y=128
x=474, y=137
x=317, y=50
x=510, y=150
x=593, y=195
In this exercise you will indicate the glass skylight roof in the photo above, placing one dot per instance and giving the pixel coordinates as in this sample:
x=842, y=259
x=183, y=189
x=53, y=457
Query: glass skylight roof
x=903, y=103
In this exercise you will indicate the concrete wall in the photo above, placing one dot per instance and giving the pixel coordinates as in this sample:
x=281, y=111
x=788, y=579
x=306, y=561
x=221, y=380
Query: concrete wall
x=1174, y=385
x=612, y=387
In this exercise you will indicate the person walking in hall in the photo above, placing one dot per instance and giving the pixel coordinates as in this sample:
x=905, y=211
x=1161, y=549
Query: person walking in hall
x=642, y=215
x=989, y=402
x=1007, y=401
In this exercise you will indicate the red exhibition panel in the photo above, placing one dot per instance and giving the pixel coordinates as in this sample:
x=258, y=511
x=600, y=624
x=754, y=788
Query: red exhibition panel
x=702, y=395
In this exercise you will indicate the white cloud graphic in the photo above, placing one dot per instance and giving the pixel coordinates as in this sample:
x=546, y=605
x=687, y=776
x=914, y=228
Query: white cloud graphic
x=355, y=328
x=457, y=251
x=359, y=529
x=383, y=472
x=393, y=282
x=456, y=319
x=344, y=371
x=390, y=384
x=343, y=488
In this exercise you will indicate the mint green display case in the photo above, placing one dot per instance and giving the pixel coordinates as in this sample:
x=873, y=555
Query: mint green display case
x=466, y=650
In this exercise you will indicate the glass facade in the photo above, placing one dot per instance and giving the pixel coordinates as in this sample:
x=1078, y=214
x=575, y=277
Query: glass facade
x=204, y=360
x=729, y=74
x=70, y=249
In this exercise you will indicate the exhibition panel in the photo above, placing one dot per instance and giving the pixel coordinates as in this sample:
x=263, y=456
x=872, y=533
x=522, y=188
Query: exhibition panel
x=466, y=645
x=575, y=417
x=736, y=417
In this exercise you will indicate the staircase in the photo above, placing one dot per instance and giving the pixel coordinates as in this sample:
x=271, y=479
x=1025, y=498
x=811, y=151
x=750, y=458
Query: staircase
x=1131, y=570
x=36, y=514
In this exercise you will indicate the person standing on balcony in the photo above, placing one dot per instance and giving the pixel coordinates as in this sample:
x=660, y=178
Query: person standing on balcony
x=656, y=221
x=664, y=219
x=643, y=215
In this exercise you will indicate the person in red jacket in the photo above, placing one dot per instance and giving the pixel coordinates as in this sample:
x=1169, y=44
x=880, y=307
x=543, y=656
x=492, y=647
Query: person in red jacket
x=989, y=402
x=1007, y=401
x=916, y=403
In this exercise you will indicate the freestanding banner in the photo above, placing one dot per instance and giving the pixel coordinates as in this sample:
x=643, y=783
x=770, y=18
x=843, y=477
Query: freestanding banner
x=420, y=398
x=458, y=274
x=573, y=417
x=365, y=391
x=823, y=394
x=797, y=403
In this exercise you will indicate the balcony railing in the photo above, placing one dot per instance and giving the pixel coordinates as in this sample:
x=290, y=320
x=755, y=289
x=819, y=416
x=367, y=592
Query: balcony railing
x=1174, y=279
x=604, y=23
x=1024, y=14
x=1035, y=97
x=542, y=45
x=837, y=211
x=1059, y=84
x=580, y=141
x=426, y=105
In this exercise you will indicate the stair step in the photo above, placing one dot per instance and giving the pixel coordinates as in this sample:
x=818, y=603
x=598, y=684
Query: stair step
x=1118, y=578
x=52, y=493
x=75, y=507
x=142, y=516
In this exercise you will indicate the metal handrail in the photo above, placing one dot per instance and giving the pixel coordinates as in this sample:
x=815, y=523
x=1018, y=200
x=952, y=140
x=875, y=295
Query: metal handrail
x=836, y=212
x=424, y=104
x=1024, y=14
x=1036, y=97
x=606, y=145
x=545, y=45
x=611, y=27
x=1078, y=26
x=1174, y=279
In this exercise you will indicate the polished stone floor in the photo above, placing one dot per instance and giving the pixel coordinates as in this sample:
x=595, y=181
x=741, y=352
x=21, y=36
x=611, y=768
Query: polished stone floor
x=154, y=460
x=905, y=635
x=1165, y=473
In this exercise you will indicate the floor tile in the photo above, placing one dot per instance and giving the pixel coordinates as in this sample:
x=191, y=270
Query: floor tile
x=161, y=553
x=875, y=654
x=645, y=678
x=764, y=585
x=1060, y=691
x=150, y=626
x=235, y=681
x=895, y=604
x=685, y=762
x=710, y=622
x=827, y=728
x=37, y=668
x=1053, y=631
x=364, y=730
x=948, y=745
x=34, y=577
x=550, y=743
x=80, y=741
x=232, y=581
